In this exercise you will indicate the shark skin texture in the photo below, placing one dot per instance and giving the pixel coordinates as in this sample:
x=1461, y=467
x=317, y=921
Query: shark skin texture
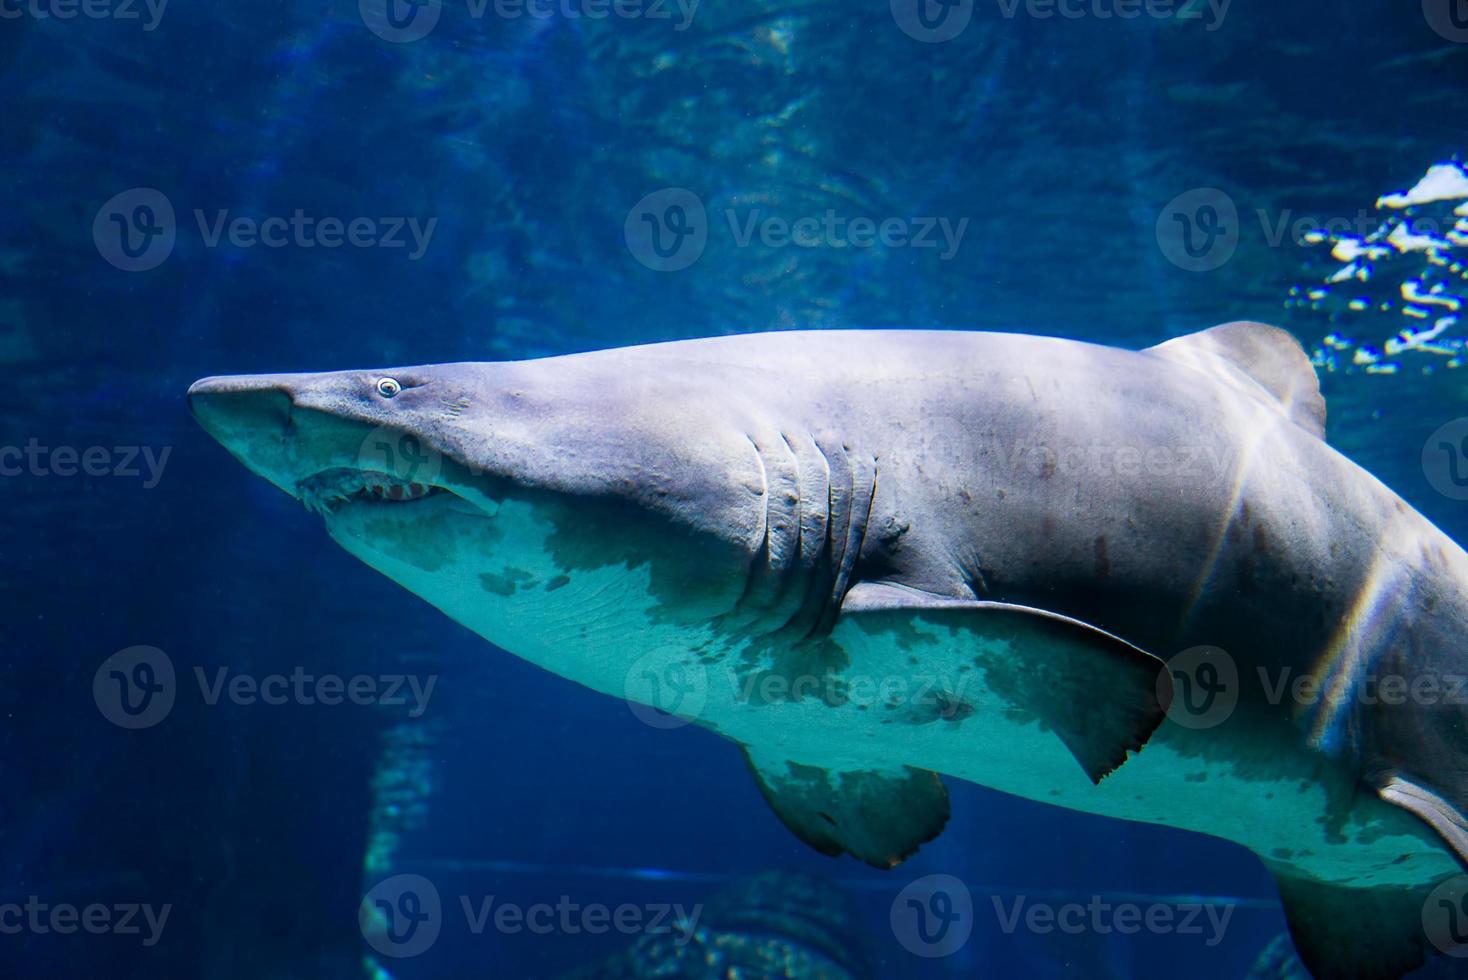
x=1095, y=578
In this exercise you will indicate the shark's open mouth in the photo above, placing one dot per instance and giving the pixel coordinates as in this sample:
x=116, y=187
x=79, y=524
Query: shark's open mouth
x=334, y=488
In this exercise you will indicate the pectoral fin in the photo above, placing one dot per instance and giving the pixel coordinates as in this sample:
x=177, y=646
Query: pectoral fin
x=1433, y=810
x=880, y=817
x=1355, y=933
x=1101, y=696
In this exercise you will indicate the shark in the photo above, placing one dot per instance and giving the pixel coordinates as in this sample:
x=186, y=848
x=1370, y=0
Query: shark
x=1135, y=584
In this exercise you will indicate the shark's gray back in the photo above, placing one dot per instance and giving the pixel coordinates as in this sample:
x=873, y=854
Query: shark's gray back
x=1120, y=487
x=1162, y=496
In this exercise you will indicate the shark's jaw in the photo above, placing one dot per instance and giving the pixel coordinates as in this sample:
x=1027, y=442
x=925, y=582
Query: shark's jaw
x=476, y=520
x=393, y=493
x=338, y=487
x=306, y=435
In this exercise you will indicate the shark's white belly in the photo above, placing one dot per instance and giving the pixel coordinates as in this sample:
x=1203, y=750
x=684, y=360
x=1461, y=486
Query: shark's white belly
x=604, y=630
x=1274, y=798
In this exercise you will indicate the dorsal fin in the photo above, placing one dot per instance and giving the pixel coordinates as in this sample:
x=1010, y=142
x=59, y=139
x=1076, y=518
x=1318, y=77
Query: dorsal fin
x=1269, y=357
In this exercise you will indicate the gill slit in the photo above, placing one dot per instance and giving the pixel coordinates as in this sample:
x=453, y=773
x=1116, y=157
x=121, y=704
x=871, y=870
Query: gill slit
x=762, y=553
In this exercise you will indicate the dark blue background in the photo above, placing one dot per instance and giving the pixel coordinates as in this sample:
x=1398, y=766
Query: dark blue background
x=529, y=141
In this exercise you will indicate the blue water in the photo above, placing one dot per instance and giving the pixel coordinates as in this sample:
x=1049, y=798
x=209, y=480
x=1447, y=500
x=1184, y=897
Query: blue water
x=518, y=146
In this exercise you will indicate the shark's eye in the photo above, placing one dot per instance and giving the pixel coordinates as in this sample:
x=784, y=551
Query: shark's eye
x=387, y=387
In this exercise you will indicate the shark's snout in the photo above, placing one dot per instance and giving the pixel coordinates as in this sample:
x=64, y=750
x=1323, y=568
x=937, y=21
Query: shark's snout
x=232, y=405
x=258, y=419
x=311, y=436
